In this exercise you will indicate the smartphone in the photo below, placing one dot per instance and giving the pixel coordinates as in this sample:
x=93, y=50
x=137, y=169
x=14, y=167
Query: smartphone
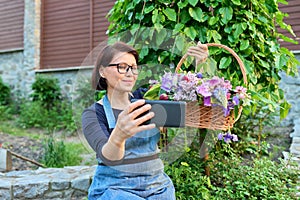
x=167, y=113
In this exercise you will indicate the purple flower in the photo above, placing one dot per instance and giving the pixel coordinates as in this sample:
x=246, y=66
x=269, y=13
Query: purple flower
x=220, y=136
x=227, y=137
x=167, y=82
x=235, y=138
x=203, y=89
x=153, y=82
x=199, y=75
x=206, y=101
x=226, y=111
x=215, y=81
x=235, y=100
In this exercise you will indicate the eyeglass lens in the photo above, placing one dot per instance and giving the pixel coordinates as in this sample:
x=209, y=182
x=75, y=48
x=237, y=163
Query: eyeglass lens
x=124, y=68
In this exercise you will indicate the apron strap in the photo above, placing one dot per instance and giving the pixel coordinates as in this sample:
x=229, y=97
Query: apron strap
x=109, y=113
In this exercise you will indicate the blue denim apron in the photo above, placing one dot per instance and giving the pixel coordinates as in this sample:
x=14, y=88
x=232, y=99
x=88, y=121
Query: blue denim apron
x=137, y=181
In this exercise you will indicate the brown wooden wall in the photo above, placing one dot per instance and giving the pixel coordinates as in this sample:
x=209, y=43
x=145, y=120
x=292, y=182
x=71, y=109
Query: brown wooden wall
x=11, y=24
x=71, y=29
x=293, y=9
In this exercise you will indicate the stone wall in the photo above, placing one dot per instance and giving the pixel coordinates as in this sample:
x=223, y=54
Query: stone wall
x=51, y=183
x=291, y=88
x=17, y=67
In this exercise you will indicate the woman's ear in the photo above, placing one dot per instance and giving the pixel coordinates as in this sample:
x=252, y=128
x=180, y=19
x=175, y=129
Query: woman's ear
x=101, y=69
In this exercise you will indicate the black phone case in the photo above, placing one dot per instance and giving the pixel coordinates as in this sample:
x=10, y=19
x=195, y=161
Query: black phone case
x=167, y=113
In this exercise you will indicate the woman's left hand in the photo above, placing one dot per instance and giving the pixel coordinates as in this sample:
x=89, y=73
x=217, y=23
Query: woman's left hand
x=200, y=52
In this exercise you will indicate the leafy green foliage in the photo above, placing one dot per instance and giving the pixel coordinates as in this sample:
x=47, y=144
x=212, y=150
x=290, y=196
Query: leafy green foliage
x=232, y=177
x=47, y=109
x=57, y=154
x=46, y=89
x=34, y=114
x=5, y=97
x=248, y=27
x=238, y=178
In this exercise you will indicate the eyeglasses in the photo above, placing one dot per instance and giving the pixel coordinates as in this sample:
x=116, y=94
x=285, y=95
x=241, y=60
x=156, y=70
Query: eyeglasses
x=123, y=68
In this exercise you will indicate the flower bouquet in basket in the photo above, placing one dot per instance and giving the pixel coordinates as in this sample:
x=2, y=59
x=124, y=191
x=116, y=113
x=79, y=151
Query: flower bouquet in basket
x=212, y=102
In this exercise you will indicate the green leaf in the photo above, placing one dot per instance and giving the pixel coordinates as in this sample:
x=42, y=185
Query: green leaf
x=193, y=2
x=284, y=109
x=244, y=44
x=213, y=20
x=236, y=2
x=149, y=9
x=170, y=13
x=178, y=27
x=182, y=5
x=238, y=30
x=179, y=42
x=190, y=32
x=154, y=16
x=161, y=36
x=152, y=93
x=213, y=35
x=226, y=14
x=225, y=62
x=259, y=97
x=196, y=14
x=264, y=64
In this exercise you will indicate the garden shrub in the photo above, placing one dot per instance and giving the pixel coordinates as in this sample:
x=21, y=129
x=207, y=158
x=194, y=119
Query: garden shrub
x=187, y=174
x=5, y=94
x=46, y=89
x=57, y=154
x=47, y=109
x=232, y=177
x=235, y=177
x=34, y=114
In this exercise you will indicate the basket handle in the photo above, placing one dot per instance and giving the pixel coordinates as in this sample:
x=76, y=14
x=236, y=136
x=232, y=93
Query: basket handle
x=241, y=64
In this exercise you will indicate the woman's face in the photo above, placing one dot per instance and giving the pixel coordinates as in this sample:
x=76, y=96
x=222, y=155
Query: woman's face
x=115, y=80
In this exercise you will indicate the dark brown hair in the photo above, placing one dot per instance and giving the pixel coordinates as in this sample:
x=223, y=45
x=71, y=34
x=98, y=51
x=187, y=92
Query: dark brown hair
x=105, y=57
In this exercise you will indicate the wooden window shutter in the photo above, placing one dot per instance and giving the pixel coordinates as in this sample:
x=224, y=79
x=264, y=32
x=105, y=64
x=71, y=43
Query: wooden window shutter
x=71, y=29
x=293, y=10
x=11, y=24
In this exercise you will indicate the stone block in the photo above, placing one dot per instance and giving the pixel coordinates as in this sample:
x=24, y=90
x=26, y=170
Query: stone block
x=5, y=194
x=296, y=132
x=296, y=140
x=53, y=195
x=30, y=187
x=60, y=184
x=295, y=149
x=81, y=183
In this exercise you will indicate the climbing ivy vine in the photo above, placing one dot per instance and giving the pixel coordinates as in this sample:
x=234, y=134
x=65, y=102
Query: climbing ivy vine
x=163, y=29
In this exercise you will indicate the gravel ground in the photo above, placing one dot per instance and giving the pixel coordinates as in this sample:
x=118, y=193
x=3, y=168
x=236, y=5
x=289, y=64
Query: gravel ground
x=24, y=146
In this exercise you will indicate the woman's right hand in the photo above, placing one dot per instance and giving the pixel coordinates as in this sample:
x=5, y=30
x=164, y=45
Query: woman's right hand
x=129, y=123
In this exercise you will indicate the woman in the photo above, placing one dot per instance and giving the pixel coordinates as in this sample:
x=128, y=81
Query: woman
x=126, y=150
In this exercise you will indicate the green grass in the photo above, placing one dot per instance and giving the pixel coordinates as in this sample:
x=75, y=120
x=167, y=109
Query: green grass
x=10, y=128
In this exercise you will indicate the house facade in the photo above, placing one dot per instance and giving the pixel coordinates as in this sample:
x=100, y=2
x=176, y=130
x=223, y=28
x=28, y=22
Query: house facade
x=48, y=37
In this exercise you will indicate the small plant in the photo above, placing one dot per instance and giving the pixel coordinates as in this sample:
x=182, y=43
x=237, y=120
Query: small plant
x=5, y=93
x=57, y=154
x=46, y=90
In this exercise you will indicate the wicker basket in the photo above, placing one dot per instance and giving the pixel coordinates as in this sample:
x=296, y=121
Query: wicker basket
x=213, y=118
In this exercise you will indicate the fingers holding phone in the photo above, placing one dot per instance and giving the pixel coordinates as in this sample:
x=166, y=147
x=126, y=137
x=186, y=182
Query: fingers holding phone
x=130, y=121
x=140, y=111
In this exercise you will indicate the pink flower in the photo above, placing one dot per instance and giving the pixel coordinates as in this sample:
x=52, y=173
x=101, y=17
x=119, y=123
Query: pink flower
x=241, y=91
x=163, y=97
